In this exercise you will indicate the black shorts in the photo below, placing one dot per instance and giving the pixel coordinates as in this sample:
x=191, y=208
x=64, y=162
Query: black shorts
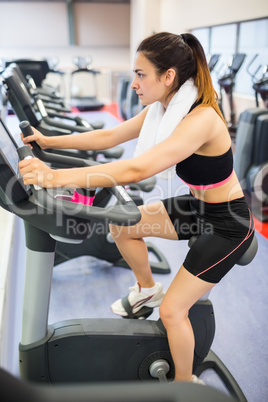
x=225, y=230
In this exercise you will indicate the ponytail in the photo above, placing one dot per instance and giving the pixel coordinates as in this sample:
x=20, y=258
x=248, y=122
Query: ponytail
x=202, y=78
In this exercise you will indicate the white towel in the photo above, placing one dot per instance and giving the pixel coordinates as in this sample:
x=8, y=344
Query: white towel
x=159, y=124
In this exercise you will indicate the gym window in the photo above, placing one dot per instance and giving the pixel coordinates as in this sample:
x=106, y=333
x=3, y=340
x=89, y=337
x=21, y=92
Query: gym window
x=249, y=37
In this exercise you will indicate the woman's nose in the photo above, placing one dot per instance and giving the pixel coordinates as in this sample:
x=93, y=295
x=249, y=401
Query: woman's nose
x=133, y=85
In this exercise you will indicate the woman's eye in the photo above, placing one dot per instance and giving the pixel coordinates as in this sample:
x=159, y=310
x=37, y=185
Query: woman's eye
x=140, y=75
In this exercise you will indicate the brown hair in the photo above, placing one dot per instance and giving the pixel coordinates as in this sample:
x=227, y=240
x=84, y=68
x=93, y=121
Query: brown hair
x=184, y=53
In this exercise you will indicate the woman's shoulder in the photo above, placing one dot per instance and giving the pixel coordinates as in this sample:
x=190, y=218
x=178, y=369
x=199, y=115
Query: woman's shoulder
x=207, y=115
x=204, y=122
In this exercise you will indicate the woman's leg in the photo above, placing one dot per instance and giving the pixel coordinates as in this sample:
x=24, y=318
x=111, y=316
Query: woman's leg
x=129, y=240
x=183, y=292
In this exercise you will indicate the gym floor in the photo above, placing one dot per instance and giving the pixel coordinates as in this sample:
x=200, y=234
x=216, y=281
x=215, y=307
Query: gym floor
x=87, y=286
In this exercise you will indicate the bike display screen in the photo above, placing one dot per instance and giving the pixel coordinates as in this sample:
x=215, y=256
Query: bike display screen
x=9, y=148
x=12, y=189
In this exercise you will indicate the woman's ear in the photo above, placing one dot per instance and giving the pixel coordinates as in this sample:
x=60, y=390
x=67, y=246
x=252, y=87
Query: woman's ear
x=170, y=76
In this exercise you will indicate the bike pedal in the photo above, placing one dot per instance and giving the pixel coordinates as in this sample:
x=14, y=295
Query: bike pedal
x=142, y=314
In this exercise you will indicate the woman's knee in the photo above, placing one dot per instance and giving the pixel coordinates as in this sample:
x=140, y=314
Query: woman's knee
x=171, y=314
x=121, y=233
x=116, y=231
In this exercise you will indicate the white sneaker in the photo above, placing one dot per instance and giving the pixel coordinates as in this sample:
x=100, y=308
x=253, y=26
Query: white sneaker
x=197, y=380
x=136, y=300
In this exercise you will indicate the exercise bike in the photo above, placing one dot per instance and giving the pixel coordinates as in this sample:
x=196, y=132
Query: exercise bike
x=101, y=239
x=99, y=243
x=251, y=155
x=16, y=86
x=259, y=84
x=128, y=101
x=39, y=69
x=227, y=84
x=13, y=389
x=16, y=92
x=87, y=350
x=213, y=60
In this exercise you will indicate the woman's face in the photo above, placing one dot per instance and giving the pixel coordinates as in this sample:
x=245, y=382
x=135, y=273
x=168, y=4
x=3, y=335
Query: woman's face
x=147, y=84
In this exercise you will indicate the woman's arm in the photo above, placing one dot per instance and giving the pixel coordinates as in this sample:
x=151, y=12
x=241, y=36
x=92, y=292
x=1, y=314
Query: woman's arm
x=186, y=139
x=92, y=140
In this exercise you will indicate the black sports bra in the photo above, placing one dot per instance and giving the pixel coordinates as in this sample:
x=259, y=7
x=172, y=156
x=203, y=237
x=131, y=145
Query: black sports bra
x=203, y=172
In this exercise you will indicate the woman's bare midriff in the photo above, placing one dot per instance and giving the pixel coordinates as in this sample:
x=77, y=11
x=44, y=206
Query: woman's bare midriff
x=227, y=192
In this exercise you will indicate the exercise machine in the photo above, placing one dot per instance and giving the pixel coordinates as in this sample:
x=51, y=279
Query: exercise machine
x=259, y=83
x=18, y=95
x=122, y=88
x=84, y=102
x=38, y=69
x=93, y=246
x=50, y=102
x=27, y=102
x=128, y=100
x=85, y=350
x=227, y=84
x=13, y=389
x=48, y=108
x=213, y=60
x=100, y=243
x=98, y=350
x=251, y=153
x=251, y=159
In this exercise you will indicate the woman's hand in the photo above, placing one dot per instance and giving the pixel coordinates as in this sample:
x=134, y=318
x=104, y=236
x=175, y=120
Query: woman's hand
x=39, y=138
x=34, y=171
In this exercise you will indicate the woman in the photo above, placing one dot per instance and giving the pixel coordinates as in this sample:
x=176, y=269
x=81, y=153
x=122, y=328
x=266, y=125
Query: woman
x=182, y=126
